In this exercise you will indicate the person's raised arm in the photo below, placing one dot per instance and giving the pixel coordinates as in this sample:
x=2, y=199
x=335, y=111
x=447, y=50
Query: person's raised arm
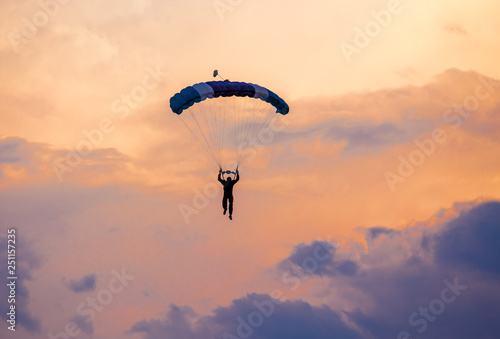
x=219, y=176
x=237, y=176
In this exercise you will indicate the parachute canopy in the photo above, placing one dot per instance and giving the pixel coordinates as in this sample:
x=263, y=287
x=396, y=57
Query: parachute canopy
x=214, y=89
x=226, y=118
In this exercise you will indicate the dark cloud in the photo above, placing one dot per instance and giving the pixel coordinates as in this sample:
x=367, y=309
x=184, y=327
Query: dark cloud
x=407, y=295
x=472, y=240
x=85, y=284
x=176, y=324
x=374, y=232
x=436, y=282
x=255, y=316
x=347, y=267
x=317, y=258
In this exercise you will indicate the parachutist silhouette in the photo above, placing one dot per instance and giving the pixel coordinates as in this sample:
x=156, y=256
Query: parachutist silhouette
x=228, y=191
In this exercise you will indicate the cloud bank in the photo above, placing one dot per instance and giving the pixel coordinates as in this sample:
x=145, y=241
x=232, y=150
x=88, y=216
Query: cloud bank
x=443, y=284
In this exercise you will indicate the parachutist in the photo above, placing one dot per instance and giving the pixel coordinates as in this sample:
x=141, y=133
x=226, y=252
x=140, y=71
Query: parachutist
x=213, y=110
x=228, y=191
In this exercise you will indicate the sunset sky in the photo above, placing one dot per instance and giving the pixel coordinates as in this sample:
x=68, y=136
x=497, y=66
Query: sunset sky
x=375, y=212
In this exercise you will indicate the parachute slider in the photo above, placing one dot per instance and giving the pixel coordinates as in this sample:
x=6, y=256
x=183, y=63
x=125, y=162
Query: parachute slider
x=229, y=172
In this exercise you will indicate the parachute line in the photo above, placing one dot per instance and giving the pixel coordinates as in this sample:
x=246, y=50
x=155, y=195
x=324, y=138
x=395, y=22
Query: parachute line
x=227, y=118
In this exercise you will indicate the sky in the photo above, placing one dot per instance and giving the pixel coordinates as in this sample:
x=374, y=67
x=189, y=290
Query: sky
x=371, y=211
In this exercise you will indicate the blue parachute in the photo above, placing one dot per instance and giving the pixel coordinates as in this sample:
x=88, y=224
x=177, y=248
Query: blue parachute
x=225, y=117
x=214, y=89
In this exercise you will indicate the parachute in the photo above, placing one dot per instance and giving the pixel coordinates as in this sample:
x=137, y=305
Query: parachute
x=227, y=117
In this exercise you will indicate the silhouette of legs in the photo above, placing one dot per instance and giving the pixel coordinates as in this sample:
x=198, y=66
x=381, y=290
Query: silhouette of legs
x=231, y=207
x=224, y=204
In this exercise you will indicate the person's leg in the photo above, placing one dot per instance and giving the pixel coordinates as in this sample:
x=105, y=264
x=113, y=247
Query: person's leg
x=231, y=206
x=224, y=204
